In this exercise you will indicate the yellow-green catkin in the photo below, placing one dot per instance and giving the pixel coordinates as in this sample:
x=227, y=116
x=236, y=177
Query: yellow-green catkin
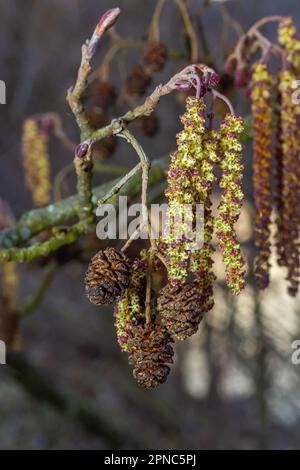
x=36, y=162
x=290, y=113
x=201, y=259
x=130, y=309
x=289, y=40
x=181, y=190
x=261, y=107
x=231, y=200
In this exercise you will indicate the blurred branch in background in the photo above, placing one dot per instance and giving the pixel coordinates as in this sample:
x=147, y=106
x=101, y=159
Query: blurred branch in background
x=36, y=384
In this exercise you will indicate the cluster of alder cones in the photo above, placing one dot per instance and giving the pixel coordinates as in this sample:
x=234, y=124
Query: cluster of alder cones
x=112, y=278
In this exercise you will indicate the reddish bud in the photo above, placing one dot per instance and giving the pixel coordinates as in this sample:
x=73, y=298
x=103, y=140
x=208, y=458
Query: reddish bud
x=182, y=85
x=107, y=20
x=214, y=79
x=81, y=150
x=203, y=89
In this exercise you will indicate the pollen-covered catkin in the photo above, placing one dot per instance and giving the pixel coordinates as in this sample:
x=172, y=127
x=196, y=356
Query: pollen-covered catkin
x=181, y=189
x=290, y=113
x=261, y=91
x=36, y=161
x=130, y=308
x=201, y=259
x=289, y=40
x=231, y=200
x=278, y=182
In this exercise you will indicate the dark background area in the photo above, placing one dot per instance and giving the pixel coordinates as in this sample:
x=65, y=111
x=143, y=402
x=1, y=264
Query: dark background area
x=233, y=385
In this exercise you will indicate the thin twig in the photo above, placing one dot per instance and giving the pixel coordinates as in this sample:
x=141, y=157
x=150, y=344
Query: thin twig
x=132, y=237
x=229, y=20
x=84, y=166
x=31, y=304
x=103, y=72
x=116, y=188
x=188, y=26
x=145, y=165
x=59, y=180
x=153, y=34
x=224, y=98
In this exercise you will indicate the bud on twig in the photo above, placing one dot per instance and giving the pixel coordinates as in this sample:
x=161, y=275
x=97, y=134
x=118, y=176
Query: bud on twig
x=107, y=21
x=81, y=150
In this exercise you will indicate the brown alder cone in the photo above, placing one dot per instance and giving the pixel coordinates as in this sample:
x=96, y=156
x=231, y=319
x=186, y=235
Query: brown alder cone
x=140, y=76
x=150, y=348
x=137, y=81
x=148, y=125
x=155, y=56
x=107, y=277
x=180, y=310
x=103, y=94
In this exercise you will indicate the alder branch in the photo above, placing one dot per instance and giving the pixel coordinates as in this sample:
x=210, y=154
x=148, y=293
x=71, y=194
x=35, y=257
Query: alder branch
x=147, y=107
x=38, y=220
x=75, y=94
x=83, y=204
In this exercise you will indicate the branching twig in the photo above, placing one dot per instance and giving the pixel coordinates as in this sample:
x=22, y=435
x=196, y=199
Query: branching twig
x=145, y=165
x=38, y=220
x=147, y=107
x=116, y=188
x=253, y=32
x=75, y=94
x=83, y=204
x=61, y=237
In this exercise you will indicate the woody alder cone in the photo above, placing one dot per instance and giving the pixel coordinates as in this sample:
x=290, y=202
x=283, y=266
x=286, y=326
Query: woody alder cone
x=180, y=310
x=155, y=56
x=107, y=277
x=150, y=348
x=137, y=80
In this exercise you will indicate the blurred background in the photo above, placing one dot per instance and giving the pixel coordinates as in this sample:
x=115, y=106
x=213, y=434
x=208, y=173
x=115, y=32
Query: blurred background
x=67, y=385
